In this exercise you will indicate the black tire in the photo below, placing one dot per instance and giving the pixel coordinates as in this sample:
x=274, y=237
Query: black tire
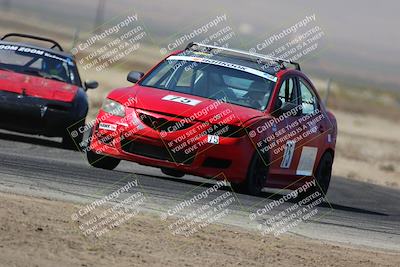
x=73, y=137
x=172, y=172
x=322, y=176
x=323, y=173
x=101, y=161
x=257, y=174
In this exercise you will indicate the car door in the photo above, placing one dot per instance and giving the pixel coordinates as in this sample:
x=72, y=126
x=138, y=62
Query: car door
x=315, y=125
x=286, y=150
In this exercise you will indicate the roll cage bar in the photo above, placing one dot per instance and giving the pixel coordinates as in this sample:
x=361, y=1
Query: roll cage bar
x=28, y=36
x=281, y=61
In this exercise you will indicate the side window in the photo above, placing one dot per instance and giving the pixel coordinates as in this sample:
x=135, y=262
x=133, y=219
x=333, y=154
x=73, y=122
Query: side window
x=159, y=78
x=308, y=98
x=287, y=92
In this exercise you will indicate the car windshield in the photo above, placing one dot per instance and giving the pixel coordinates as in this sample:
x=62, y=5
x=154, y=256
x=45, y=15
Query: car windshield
x=213, y=79
x=38, y=62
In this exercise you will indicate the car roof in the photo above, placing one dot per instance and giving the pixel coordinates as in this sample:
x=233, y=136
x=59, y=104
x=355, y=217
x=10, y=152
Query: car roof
x=53, y=51
x=251, y=56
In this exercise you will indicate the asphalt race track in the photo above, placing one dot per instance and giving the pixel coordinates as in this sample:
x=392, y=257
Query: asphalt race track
x=357, y=213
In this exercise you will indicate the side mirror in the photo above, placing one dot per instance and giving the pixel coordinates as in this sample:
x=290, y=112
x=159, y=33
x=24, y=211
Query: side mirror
x=91, y=84
x=134, y=76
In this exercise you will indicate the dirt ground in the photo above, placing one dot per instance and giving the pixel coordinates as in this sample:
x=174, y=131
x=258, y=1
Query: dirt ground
x=40, y=232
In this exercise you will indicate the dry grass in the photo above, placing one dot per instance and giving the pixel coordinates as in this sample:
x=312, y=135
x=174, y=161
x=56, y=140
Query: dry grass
x=367, y=149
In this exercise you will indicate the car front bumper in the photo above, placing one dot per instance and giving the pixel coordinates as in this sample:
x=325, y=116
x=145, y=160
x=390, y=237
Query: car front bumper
x=126, y=140
x=34, y=115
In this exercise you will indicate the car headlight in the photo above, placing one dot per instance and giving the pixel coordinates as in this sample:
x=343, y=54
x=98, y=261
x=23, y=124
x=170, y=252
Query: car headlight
x=113, y=107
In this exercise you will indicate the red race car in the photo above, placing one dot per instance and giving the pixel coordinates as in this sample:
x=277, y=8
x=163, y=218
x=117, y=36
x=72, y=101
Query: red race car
x=209, y=110
x=41, y=91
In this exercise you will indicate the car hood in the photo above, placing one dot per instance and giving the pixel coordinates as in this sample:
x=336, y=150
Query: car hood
x=36, y=86
x=151, y=99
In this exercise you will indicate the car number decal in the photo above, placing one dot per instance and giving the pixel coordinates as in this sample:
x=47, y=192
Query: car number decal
x=307, y=161
x=182, y=100
x=213, y=139
x=225, y=64
x=288, y=154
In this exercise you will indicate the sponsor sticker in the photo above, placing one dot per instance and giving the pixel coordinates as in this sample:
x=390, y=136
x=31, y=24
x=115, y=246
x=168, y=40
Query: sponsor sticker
x=225, y=64
x=107, y=126
x=35, y=52
x=182, y=100
x=307, y=161
x=288, y=154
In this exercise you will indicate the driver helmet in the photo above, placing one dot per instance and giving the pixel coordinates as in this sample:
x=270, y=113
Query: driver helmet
x=258, y=92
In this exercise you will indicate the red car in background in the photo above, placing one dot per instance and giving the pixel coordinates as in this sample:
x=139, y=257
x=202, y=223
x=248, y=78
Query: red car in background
x=209, y=111
x=41, y=91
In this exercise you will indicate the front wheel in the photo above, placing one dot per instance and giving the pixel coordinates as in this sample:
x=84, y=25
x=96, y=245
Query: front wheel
x=101, y=161
x=257, y=174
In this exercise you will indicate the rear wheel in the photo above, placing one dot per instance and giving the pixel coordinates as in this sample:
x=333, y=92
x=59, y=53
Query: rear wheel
x=256, y=177
x=324, y=173
x=322, y=177
x=172, y=172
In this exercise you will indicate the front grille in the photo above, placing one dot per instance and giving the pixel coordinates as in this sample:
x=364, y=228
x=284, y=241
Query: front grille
x=156, y=152
x=211, y=162
x=162, y=124
x=227, y=130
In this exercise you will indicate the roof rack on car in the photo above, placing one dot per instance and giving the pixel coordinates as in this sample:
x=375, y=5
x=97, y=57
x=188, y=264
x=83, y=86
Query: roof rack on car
x=275, y=59
x=54, y=43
